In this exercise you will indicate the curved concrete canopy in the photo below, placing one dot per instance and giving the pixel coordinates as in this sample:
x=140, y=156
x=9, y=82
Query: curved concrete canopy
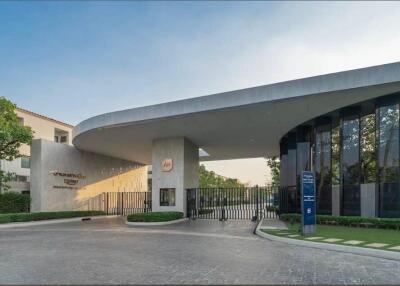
x=245, y=123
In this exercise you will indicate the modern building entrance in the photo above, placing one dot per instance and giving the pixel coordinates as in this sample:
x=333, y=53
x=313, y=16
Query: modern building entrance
x=342, y=126
x=233, y=203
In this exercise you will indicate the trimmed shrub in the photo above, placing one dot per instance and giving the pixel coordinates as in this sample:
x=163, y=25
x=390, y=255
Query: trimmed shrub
x=11, y=202
x=154, y=216
x=205, y=211
x=23, y=217
x=354, y=221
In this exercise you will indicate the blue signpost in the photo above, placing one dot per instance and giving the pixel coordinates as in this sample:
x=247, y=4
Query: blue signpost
x=307, y=203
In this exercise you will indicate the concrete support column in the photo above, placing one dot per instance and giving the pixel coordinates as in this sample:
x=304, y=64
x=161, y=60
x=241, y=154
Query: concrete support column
x=175, y=166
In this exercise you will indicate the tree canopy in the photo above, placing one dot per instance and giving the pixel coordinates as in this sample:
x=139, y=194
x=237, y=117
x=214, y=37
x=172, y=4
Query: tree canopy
x=12, y=135
x=274, y=163
x=209, y=179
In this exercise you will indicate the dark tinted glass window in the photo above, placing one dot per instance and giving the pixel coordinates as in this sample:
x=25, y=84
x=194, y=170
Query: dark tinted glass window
x=351, y=167
x=388, y=160
x=350, y=149
x=368, y=154
x=388, y=143
x=293, y=198
x=303, y=150
x=322, y=165
x=291, y=160
x=167, y=197
x=336, y=155
x=303, y=158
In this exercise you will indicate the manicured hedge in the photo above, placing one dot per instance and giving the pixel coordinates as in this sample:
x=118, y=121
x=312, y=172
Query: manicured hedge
x=154, y=216
x=11, y=202
x=22, y=217
x=205, y=211
x=386, y=223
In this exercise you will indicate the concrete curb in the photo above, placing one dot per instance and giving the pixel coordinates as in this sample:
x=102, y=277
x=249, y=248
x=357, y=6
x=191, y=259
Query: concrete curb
x=155, y=223
x=386, y=254
x=51, y=221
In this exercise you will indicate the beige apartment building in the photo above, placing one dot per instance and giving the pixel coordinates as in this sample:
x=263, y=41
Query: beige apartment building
x=60, y=177
x=44, y=128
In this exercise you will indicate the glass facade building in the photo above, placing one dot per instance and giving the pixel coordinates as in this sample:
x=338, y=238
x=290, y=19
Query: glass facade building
x=354, y=153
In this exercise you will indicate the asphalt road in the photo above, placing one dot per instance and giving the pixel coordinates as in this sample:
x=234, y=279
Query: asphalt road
x=107, y=251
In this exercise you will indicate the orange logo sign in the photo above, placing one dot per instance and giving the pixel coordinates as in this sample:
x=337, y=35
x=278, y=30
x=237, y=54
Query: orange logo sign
x=166, y=165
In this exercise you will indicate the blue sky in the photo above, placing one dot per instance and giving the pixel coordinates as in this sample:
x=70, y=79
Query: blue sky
x=73, y=60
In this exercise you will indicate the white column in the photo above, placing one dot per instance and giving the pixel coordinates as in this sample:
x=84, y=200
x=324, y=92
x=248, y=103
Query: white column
x=175, y=165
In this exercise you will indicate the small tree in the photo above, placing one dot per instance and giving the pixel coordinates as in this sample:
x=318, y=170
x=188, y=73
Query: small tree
x=274, y=164
x=12, y=135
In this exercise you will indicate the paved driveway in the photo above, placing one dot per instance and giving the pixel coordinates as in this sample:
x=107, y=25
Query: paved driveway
x=107, y=251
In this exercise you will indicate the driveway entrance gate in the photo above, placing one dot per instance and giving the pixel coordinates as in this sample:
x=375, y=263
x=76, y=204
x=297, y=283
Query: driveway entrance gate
x=122, y=203
x=233, y=203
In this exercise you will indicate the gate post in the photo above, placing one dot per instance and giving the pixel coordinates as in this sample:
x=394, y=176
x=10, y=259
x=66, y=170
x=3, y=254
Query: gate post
x=257, y=202
x=122, y=203
x=107, y=203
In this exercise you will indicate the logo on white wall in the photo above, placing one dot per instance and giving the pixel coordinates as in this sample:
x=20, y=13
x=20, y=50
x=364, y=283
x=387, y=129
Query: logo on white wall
x=166, y=165
x=70, y=180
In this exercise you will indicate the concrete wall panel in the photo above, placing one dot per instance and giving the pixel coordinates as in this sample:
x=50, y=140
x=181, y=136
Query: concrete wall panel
x=184, y=173
x=53, y=164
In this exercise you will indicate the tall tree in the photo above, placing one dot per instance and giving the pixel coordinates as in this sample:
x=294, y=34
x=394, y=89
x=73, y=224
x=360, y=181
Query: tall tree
x=12, y=135
x=273, y=164
x=209, y=179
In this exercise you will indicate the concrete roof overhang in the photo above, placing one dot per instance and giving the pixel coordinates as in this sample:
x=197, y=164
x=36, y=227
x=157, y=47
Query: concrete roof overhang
x=245, y=123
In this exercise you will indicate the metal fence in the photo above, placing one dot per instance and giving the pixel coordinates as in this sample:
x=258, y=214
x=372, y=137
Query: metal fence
x=233, y=203
x=121, y=203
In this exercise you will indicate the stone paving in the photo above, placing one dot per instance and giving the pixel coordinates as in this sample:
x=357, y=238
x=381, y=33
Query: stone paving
x=377, y=245
x=314, y=238
x=333, y=239
x=353, y=242
x=195, y=252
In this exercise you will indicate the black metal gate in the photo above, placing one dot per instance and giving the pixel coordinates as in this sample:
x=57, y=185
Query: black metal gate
x=121, y=203
x=233, y=203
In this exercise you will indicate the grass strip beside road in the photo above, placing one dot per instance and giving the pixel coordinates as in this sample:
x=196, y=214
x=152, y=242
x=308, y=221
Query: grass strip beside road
x=25, y=217
x=367, y=235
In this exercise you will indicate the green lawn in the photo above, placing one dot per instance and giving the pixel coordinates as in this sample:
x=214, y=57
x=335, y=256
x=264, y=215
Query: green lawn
x=367, y=235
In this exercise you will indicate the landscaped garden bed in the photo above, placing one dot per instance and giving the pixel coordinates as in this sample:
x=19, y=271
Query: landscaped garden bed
x=155, y=217
x=11, y=202
x=352, y=221
x=25, y=217
x=387, y=239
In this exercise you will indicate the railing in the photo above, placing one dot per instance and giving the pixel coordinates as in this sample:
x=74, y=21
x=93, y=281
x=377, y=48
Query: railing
x=121, y=203
x=233, y=203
